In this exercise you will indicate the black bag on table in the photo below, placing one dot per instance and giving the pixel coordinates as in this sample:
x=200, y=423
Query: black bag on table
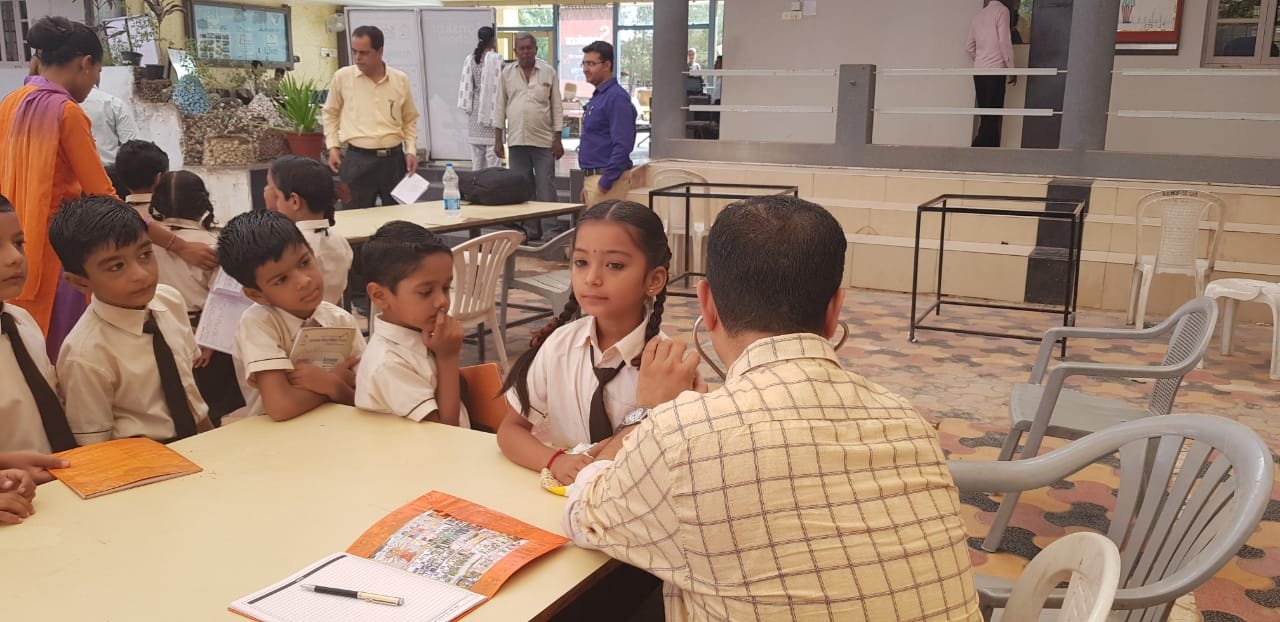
x=496, y=186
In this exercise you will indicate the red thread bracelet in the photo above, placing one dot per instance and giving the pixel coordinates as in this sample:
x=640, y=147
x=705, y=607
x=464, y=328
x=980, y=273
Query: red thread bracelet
x=559, y=452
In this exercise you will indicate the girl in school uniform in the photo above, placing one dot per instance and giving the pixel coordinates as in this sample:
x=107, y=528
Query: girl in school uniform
x=576, y=384
x=181, y=203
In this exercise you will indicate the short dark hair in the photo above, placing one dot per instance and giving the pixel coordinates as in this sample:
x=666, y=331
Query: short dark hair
x=397, y=247
x=58, y=41
x=122, y=189
x=139, y=161
x=525, y=35
x=252, y=239
x=307, y=177
x=6, y=206
x=182, y=194
x=372, y=33
x=87, y=224
x=773, y=264
x=603, y=48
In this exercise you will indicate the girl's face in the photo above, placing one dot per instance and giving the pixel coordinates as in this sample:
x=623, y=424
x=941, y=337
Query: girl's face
x=13, y=261
x=610, y=274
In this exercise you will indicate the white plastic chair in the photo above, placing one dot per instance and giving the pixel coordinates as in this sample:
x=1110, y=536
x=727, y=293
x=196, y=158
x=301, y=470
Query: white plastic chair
x=671, y=211
x=1180, y=213
x=1088, y=560
x=478, y=266
x=1234, y=291
x=553, y=285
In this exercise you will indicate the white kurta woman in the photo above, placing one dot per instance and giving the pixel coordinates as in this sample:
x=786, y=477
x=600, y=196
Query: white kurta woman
x=476, y=96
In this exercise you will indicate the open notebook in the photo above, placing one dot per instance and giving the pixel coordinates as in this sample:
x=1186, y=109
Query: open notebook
x=121, y=464
x=440, y=552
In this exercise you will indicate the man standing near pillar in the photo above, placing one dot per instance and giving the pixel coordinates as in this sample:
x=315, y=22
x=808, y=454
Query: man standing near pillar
x=529, y=114
x=370, y=112
x=608, y=130
x=991, y=47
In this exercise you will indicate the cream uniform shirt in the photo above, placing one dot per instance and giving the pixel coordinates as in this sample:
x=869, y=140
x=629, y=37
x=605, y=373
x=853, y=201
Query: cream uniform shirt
x=398, y=375
x=21, y=428
x=562, y=381
x=108, y=376
x=334, y=254
x=266, y=336
x=190, y=281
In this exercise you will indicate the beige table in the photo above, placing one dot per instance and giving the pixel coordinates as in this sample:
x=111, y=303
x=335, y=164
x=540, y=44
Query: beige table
x=273, y=498
x=358, y=225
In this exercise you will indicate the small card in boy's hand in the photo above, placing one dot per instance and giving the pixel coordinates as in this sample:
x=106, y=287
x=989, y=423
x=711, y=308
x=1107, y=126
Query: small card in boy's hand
x=323, y=347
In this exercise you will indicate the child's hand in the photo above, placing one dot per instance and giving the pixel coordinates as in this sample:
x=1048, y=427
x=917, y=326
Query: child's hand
x=19, y=481
x=666, y=370
x=346, y=371
x=312, y=378
x=566, y=467
x=445, y=338
x=36, y=464
x=14, y=508
x=203, y=359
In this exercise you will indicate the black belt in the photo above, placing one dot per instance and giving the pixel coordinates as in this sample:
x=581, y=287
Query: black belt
x=587, y=172
x=378, y=153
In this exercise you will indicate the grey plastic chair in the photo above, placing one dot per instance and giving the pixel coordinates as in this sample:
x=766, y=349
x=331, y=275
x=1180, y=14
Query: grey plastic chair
x=553, y=286
x=1193, y=488
x=1042, y=407
x=1088, y=560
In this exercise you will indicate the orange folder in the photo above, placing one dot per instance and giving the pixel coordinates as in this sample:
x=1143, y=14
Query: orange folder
x=121, y=464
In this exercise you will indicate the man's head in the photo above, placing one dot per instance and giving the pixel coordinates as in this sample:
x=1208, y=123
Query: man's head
x=300, y=188
x=693, y=56
x=526, y=50
x=266, y=253
x=140, y=163
x=366, y=49
x=774, y=266
x=597, y=62
x=410, y=272
x=104, y=249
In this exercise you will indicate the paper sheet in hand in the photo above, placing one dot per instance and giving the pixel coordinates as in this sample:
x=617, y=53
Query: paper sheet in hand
x=323, y=347
x=410, y=189
x=222, y=311
x=424, y=600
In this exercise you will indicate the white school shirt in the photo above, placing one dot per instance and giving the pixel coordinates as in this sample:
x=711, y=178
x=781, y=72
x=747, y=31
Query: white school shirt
x=265, y=338
x=334, y=253
x=190, y=281
x=21, y=428
x=108, y=376
x=562, y=381
x=398, y=374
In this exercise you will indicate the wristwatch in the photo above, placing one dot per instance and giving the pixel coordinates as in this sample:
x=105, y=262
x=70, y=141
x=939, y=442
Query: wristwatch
x=634, y=417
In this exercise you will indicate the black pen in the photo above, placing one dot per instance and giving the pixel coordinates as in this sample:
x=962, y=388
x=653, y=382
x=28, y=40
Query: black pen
x=368, y=597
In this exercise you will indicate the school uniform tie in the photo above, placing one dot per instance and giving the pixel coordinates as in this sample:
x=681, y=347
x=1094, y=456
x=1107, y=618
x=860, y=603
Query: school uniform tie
x=52, y=416
x=601, y=428
x=175, y=396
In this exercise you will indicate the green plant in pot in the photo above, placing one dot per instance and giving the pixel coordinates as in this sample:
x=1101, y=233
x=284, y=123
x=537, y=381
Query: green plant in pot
x=299, y=109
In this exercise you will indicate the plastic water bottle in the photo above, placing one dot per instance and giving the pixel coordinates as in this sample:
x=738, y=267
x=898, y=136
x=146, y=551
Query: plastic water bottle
x=452, y=198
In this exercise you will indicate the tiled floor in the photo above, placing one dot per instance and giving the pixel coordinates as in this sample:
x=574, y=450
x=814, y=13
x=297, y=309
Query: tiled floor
x=950, y=376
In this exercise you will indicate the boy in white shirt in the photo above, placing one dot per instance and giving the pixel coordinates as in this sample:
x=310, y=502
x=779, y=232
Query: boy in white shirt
x=267, y=255
x=302, y=189
x=410, y=368
x=126, y=368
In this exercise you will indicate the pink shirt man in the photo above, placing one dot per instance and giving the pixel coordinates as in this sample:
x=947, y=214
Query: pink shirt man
x=989, y=42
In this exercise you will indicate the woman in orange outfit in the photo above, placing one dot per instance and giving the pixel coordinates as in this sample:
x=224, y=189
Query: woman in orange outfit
x=47, y=156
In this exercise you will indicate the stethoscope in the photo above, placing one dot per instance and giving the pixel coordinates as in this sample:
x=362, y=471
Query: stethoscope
x=697, y=343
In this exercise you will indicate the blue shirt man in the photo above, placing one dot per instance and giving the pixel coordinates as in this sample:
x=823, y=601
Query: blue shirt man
x=608, y=130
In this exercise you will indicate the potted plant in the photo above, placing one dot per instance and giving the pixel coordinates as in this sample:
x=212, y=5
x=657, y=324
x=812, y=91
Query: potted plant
x=299, y=109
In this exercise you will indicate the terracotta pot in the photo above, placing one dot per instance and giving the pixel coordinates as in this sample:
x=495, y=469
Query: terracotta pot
x=309, y=145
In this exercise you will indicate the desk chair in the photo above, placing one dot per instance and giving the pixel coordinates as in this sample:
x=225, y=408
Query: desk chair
x=478, y=266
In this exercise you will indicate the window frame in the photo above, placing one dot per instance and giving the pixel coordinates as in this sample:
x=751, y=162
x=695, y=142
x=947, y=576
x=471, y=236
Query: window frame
x=22, y=21
x=1266, y=37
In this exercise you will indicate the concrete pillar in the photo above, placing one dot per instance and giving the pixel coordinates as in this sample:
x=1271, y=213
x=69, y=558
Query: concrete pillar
x=1088, y=89
x=670, y=44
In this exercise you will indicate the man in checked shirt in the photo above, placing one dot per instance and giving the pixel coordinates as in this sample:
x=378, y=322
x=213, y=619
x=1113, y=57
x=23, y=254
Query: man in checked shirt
x=796, y=491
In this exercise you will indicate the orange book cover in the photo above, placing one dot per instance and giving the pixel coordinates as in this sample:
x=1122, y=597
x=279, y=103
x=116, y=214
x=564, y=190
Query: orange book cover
x=121, y=464
x=454, y=541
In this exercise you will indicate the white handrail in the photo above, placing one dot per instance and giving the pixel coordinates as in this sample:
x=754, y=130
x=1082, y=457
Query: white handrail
x=783, y=73
x=995, y=112
x=1204, y=73
x=733, y=108
x=971, y=71
x=1191, y=114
